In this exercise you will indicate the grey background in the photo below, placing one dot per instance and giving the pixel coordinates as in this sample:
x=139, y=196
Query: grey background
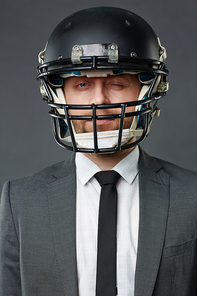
x=26, y=142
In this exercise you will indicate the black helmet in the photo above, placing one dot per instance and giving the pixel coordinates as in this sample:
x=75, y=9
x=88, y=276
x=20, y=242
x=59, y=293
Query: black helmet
x=111, y=40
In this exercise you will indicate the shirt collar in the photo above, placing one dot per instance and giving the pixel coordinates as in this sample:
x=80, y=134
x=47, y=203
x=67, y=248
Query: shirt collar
x=127, y=167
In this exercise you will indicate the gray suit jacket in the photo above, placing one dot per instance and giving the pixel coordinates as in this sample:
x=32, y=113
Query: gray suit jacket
x=37, y=232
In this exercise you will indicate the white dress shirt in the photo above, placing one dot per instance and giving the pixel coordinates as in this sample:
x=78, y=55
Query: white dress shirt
x=88, y=194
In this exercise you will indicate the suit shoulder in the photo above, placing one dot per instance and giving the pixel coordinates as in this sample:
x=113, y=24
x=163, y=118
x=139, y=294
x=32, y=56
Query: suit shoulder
x=174, y=169
x=175, y=172
x=46, y=175
x=182, y=180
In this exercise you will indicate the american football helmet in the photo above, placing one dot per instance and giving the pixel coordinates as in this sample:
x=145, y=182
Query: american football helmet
x=96, y=42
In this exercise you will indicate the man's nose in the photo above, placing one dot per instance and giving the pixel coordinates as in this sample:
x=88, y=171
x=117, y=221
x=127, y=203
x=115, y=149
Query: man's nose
x=99, y=94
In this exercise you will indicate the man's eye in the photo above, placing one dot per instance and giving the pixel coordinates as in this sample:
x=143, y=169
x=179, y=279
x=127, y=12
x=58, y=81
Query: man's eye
x=116, y=85
x=82, y=84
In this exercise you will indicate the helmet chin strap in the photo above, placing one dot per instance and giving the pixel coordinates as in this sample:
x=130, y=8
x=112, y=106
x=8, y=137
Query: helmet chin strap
x=106, y=139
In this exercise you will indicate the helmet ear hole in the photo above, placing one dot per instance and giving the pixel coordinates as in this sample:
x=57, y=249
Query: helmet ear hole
x=141, y=118
x=63, y=128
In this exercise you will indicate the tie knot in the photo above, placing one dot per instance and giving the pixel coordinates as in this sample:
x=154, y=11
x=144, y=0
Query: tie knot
x=107, y=177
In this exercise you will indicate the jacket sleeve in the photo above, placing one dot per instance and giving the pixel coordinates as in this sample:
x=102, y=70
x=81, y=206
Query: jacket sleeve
x=10, y=283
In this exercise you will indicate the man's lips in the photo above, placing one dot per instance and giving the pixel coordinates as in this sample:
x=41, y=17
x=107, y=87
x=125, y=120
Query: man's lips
x=102, y=124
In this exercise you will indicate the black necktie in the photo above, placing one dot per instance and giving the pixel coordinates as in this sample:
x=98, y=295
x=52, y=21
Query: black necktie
x=107, y=225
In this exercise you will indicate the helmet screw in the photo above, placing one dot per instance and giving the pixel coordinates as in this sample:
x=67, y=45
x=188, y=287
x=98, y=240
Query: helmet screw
x=60, y=57
x=133, y=54
x=112, y=47
x=76, y=48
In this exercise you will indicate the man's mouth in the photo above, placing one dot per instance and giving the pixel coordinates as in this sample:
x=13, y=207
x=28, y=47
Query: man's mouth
x=103, y=121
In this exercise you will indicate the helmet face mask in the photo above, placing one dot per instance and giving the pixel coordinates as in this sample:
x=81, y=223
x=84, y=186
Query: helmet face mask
x=81, y=45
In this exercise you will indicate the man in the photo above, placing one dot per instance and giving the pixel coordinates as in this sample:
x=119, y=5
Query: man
x=102, y=73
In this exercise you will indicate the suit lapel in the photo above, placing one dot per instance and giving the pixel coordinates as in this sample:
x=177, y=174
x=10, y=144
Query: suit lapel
x=154, y=203
x=62, y=210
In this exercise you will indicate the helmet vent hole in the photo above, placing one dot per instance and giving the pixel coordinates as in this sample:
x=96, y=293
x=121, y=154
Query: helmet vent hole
x=127, y=23
x=67, y=26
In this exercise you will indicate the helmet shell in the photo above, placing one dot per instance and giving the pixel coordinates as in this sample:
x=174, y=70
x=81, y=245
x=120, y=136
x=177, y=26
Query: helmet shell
x=103, y=25
x=102, y=38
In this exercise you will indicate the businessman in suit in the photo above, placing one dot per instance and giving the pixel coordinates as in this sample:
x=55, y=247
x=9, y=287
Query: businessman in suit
x=102, y=86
